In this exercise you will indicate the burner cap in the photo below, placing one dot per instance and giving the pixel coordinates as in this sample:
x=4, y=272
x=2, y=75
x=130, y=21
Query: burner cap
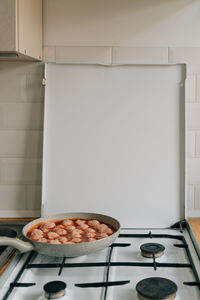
x=149, y=249
x=156, y=288
x=55, y=289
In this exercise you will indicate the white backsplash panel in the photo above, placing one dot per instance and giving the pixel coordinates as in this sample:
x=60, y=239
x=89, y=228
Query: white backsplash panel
x=114, y=142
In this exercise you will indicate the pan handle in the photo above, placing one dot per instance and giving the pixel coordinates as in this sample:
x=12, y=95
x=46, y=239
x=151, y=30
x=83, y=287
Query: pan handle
x=16, y=243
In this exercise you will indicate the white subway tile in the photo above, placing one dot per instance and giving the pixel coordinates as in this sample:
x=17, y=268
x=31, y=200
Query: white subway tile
x=12, y=197
x=140, y=55
x=33, y=197
x=197, y=197
x=49, y=54
x=20, y=67
x=24, y=144
x=34, y=144
x=190, y=196
x=84, y=55
x=198, y=88
x=21, y=122
x=13, y=143
x=189, y=55
x=36, y=68
x=193, y=171
x=12, y=87
x=21, y=116
x=190, y=88
x=20, y=171
x=34, y=88
x=197, y=144
x=1, y=171
x=190, y=143
x=193, y=116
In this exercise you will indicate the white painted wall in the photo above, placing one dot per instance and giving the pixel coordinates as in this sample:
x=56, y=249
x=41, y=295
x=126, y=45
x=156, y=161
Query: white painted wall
x=138, y=23
x=172, y=25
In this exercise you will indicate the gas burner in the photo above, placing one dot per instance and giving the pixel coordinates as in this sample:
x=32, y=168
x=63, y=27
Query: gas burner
x=54, y=289
x=150, y=249
x=156, y=288
x=8, y=232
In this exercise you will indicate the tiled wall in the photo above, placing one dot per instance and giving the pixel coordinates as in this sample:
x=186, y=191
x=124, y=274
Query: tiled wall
x=191, y=56
x=21, y=133
x=193, y=143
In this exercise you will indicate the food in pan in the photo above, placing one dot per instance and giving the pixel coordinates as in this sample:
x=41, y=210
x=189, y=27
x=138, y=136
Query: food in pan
x=69, y=231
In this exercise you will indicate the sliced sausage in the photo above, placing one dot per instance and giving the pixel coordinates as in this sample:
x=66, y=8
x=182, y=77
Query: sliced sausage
x=80, y=222
x=102, y=227
x=83, y=226
x=63, y=240
x=101, y=235
x=70, y=228
x=93, y=223
x=69, y=231
x=43, y=240
x=75, y=234
x=45, y=227
x=90, y=234
x=52, y=235
x=60, y=231
x=76, y=240
x=67, y=222
x=36, y=234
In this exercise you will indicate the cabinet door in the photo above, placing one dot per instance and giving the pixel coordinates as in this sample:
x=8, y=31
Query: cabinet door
x=30, y=28
x=8, y=25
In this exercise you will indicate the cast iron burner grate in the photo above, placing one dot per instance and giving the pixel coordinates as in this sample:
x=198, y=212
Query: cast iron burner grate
x=108, y=264
x=155, y=288
x=152, y=249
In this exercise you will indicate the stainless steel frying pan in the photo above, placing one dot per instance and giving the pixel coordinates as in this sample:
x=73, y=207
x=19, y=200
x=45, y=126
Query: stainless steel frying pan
x=64, y=250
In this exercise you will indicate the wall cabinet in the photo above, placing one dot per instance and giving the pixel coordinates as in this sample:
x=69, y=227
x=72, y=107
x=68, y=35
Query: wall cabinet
x=21, y=29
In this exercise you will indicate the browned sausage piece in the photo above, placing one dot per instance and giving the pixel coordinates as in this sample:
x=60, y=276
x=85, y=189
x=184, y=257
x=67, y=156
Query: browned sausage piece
x=36, y=234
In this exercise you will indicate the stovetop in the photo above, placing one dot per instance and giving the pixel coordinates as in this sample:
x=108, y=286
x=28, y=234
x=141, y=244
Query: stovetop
x=122, y=266
x=7, y=254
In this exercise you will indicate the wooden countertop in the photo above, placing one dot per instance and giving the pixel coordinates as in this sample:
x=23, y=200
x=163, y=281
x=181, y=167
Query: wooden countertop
x=195, y=225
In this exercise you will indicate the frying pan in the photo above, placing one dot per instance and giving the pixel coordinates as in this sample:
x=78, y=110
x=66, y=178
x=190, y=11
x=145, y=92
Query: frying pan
x=64, y=250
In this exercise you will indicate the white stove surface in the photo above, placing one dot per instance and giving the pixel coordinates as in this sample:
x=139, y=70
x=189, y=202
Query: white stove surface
x=97, y=274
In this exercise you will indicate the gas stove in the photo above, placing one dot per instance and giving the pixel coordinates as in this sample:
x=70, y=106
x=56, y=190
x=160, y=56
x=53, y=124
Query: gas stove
x=165, y=258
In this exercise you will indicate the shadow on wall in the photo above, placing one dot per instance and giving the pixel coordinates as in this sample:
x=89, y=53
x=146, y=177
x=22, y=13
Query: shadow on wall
x=21, y=133
x=121, y=22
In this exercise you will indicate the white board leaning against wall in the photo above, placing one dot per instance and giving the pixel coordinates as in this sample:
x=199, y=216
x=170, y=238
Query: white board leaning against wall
x=114, y=142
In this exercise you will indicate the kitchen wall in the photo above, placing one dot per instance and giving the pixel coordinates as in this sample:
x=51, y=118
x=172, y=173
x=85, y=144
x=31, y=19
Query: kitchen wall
x=21, y=127
x=128, y=31
x=138, y=23
x=132, y=31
